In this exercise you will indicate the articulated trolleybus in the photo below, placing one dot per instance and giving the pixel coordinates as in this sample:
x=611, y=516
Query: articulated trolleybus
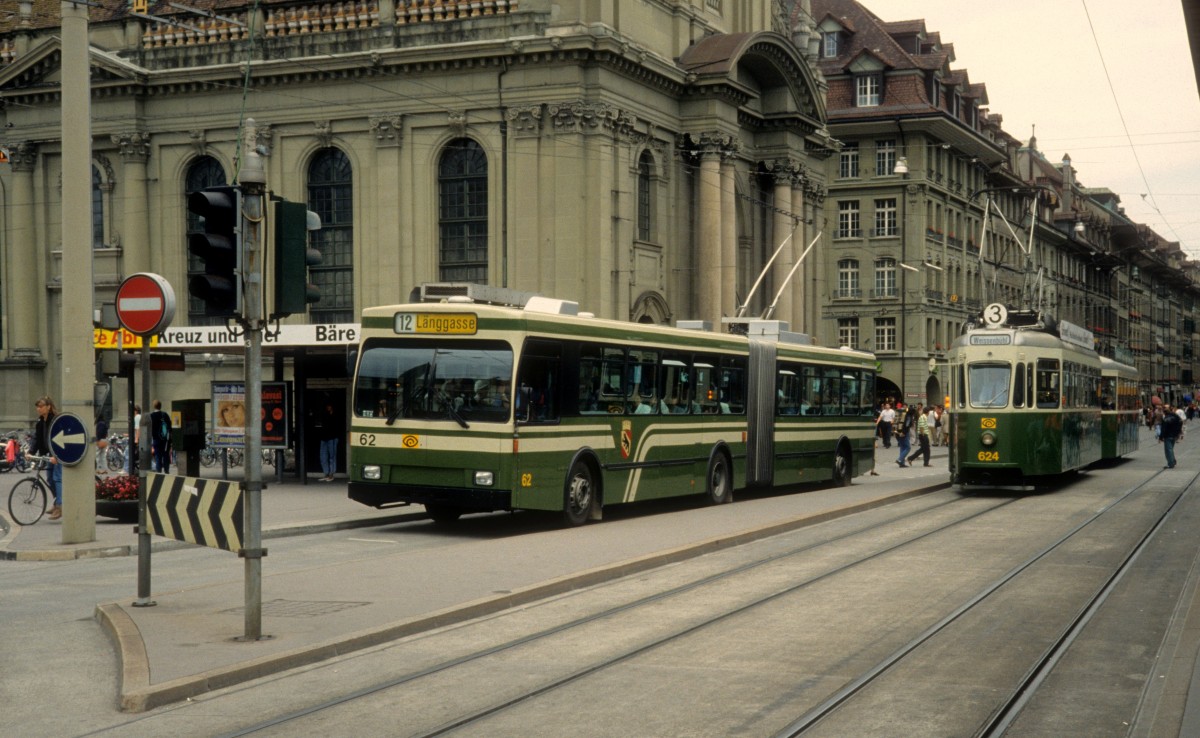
x=1027, y=399
x=509, y=401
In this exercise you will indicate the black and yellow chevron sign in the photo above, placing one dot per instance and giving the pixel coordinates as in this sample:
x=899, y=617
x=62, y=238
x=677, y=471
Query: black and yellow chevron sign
x=203, y=511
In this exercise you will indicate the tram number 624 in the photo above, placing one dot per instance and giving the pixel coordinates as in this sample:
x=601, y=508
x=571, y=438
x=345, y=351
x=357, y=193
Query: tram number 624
x=989, y=455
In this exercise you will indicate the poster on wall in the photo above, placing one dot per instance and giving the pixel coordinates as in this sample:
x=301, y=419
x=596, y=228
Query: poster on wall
x=229, y=414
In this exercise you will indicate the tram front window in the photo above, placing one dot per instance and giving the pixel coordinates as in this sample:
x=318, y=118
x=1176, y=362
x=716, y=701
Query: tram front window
x=988, y=384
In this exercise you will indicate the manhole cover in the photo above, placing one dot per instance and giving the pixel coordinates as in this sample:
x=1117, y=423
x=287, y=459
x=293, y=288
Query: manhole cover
x=301, y=609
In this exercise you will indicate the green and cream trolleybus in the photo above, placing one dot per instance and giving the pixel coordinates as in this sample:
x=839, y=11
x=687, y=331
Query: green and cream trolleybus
x=462, y=406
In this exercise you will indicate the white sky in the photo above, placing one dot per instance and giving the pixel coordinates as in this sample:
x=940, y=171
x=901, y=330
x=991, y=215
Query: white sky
x=1042, y=66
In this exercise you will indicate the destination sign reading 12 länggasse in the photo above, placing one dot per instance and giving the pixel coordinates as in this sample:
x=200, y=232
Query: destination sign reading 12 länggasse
x=443, y=323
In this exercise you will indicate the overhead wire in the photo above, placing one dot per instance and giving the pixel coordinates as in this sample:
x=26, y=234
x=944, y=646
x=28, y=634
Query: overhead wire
x=1149, y=194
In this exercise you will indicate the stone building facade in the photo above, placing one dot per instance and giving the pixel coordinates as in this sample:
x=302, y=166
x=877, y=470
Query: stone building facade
x=644, y=159
x=914, y=252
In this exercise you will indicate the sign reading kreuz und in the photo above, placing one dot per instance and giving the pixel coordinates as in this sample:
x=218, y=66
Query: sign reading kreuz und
x=145, y=304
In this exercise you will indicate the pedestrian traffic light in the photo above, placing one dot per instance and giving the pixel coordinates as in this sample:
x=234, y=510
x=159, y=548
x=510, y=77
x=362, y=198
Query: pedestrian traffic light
x=218, y=243
x=293, y=257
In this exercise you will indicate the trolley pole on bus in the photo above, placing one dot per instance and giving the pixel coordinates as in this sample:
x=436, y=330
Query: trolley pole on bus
x=252, y=180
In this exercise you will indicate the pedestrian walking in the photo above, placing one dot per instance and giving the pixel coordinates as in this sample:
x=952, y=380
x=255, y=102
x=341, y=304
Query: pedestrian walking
x=922, y=425
x=160, y=439
x=887, y=419
x=1169, y=432
x=903, y=432
x=101, y=443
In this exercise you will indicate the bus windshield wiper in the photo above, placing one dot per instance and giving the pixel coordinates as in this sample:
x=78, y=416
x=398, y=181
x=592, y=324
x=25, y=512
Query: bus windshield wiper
x=453, y=413
x=391, y=418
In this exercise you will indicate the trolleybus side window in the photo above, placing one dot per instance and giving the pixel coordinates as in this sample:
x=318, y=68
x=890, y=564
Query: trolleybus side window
x=732, y=385
x=1019, y=386
x=601, y=379
x=1048, y=388
x=810, y=390
x=962, y=385
x=988, y=384
x=704, y=388
x=674, y=389
x=831, y=391
x=642, y=382
x=787, y=391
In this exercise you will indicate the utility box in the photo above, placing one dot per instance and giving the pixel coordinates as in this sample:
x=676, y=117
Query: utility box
x=187, y=436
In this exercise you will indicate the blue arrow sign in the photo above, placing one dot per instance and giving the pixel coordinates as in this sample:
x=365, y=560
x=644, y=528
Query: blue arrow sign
x=68, y=439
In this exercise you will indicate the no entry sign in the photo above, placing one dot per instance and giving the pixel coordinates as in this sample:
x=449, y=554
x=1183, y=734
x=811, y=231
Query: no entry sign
x=145, y=304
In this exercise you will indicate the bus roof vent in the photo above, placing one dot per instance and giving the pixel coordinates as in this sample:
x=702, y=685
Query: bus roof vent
x=694, y=325
x=480, y=293
x=773, y=329
x=539, y=304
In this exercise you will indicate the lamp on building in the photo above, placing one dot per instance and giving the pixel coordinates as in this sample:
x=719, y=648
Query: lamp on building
x=1079, y=228
x=933, y=266
x=908, y=267
x=901, y=166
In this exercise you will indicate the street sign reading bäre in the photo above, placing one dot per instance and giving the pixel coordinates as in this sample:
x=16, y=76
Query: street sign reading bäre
x=145, y=304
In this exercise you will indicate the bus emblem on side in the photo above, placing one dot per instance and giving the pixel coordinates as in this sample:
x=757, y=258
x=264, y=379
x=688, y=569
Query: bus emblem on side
x=987, y=423
x=410, y=440
x=626, y=438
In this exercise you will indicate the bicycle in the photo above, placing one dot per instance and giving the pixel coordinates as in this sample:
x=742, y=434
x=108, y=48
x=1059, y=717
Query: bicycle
x=27, y=500
x=114, y=454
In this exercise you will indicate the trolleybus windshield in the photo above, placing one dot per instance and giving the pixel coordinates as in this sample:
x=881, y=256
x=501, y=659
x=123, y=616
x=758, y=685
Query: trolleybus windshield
x=988, y=384
x=465, y=381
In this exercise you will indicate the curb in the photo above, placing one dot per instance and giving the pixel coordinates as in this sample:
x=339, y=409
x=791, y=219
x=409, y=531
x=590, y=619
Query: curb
x=138, y=695
x=106, y=551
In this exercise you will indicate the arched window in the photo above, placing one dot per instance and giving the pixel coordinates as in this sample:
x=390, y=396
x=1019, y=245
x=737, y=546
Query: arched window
x=97, y=210
x=331, y=196
x=203, y=172
x=645, y=165
x=462, y=213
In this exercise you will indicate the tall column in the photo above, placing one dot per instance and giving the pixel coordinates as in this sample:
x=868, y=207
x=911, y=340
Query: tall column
x=802, y=317
x=782, y=222
x=135, y=215
x=78, y=356
x=707, y=281
x=729, y=236
x=26, y=305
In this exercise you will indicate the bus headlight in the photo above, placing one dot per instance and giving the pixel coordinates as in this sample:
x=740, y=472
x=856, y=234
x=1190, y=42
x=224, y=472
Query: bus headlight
x=372, y=472
x=988, y=438
x=484, y=478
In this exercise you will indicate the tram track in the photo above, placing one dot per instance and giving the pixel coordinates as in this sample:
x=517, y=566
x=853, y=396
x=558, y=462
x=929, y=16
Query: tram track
x=556, y=630
x=472, y=717
x=1008, y=709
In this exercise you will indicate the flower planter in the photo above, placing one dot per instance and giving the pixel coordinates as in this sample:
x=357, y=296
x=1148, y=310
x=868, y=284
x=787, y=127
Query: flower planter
x=125, y=511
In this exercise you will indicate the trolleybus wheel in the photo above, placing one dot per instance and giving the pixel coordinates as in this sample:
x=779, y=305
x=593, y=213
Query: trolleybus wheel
x=579, y=494
x=841, y=467
x=442, y=514
x=720, y=481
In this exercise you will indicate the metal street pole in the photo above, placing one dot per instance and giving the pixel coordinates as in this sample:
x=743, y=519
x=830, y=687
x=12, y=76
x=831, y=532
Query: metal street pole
x=252, y=179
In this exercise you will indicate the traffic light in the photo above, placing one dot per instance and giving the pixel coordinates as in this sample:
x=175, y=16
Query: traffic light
x=219, y=246
x=293, y=257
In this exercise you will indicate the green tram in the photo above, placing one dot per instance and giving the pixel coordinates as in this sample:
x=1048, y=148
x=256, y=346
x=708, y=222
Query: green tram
x=1025, y=405
x=463, y=406
x=1120, y=409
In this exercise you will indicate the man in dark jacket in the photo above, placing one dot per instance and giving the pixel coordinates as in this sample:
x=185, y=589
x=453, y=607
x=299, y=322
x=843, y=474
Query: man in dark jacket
x=1172, y=428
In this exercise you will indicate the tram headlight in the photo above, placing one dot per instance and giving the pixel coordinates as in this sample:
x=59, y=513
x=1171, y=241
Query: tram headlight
x=988, y=438
x=484, y=478
x=372, y=472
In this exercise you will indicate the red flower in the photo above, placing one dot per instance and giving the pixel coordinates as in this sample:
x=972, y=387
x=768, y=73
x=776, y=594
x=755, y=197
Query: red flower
x=123, y=487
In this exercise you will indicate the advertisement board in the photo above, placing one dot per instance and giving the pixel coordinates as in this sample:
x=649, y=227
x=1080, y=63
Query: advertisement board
x=229, y=414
